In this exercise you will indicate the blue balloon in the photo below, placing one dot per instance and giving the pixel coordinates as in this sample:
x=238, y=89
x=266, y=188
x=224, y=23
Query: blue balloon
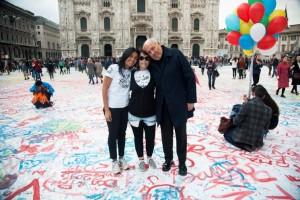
x=269, y=5
x=232, y=22
x=246, y=42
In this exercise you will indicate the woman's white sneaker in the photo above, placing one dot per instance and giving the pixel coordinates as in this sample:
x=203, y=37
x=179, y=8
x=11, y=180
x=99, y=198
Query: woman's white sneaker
x=152, y=163
x=115, y=167
x=123, y=164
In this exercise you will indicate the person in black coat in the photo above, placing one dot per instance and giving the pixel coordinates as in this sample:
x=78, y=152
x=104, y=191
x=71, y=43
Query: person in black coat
x=175, y=98
x=257, y=65
x=296, y=75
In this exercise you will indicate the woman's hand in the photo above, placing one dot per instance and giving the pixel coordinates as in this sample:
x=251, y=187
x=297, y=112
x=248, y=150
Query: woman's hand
x=107, y=115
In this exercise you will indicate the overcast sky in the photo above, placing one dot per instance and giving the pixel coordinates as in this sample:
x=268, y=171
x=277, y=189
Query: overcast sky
x=49, y=8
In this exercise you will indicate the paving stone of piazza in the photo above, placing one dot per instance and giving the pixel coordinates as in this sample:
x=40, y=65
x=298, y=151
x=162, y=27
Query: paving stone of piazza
x=62, y=153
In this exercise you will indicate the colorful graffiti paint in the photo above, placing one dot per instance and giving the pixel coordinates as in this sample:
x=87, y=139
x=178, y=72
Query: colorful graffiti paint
x=61, y=152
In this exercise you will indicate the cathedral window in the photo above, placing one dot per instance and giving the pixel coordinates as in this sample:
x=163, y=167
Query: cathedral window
x=106, y=3
x=174, y=24
x=83, y=24
x=174, y=3
x=141, y=6
x=106, y=24
x=196, y=25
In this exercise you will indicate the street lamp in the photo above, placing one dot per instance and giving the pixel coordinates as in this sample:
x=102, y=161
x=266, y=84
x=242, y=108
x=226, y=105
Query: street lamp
x=12, y=21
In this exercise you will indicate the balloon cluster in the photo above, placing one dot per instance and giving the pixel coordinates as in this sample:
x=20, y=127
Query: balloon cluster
x=255, y=23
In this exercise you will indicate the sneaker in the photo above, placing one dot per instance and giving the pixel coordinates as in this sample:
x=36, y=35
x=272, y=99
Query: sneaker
x=123, y=164
x=282, y=96
x=115, y=167
x=142, y=166
x=152, y=163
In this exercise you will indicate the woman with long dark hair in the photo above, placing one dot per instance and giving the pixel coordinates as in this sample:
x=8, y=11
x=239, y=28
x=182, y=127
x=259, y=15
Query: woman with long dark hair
x=267, y=99
x=115, y=93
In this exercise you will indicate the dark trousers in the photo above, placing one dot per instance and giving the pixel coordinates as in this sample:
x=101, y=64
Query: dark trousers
x=234, y=72
x=117, y=131
x=255, y=79
x=274, y=71
x=211, y=79
x=241, y=75
x=51, y=75
x=167, y=137
x=138, y=139
x=91, y=77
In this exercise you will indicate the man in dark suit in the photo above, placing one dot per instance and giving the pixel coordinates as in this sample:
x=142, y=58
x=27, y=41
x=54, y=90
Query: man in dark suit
x=175, y=98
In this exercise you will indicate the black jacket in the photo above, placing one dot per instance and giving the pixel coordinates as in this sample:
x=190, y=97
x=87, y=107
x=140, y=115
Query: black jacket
x=175, y=85
x=141, y=102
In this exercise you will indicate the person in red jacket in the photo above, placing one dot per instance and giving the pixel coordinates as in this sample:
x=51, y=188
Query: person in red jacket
x=283, y=75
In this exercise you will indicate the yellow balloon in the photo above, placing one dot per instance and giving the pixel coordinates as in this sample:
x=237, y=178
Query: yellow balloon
x=276, y=13
x=245, y=27
x=248, y=52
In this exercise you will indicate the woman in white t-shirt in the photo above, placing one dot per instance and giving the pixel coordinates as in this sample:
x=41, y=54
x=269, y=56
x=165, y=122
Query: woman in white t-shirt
x=234, y=62
x=115, y=92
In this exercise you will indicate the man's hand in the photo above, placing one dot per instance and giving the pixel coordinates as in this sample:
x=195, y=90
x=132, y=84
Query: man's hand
x=190, y=106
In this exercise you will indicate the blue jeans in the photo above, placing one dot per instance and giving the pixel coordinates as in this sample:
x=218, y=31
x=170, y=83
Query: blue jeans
x=211, y=79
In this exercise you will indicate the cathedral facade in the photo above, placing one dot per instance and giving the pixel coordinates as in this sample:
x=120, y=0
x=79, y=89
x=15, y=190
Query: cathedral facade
x=107, y=27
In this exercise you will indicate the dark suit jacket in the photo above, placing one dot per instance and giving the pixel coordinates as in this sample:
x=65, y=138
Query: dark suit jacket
x=175, y=85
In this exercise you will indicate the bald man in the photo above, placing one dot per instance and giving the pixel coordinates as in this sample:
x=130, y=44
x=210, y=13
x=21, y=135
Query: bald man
x=175, y=98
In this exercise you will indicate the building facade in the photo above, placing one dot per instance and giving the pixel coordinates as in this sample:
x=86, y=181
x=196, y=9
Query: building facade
x=225, y=49
x=17, y=38
x=108, y=27
x=47, y=38
x=289, y=40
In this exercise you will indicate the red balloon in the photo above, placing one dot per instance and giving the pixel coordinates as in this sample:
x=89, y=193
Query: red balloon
x=267, y=42
x=277, y=25
x=233, y=38
x=243, y=11
x=256, y=12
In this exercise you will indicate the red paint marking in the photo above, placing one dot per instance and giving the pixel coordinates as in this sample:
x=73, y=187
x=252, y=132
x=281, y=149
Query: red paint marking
x=48, y=148
x=286, y=195
x=292, y=178
x=239, y=195
x=150, y=179
x=26, y=121
x=28, y=148
x=42, y=172
x=36, y=190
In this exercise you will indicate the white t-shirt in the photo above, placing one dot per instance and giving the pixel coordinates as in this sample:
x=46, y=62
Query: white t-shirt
x=118, y=92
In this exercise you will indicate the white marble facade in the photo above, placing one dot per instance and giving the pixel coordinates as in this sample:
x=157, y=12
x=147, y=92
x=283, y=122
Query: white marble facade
x=114, y=25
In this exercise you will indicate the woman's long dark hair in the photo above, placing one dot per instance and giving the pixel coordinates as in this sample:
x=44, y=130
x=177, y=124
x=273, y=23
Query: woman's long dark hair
x=261, y=92
x=125, y=55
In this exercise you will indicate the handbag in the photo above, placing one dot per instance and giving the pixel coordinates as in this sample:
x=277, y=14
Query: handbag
x=216, y=73
x=296, y=75
x=224, y=125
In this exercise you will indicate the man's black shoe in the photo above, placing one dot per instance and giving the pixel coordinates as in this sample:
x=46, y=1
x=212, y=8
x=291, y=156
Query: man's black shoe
x=167, y=165
x=182, y=170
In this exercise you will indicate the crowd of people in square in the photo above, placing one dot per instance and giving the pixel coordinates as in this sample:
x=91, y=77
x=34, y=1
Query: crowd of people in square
x=157, y=86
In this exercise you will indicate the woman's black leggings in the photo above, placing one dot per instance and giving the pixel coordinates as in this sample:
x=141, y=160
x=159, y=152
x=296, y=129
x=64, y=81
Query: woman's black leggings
x=117, y=131
x=138, y=139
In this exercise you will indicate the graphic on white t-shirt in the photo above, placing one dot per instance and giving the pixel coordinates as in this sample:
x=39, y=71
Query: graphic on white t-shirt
x=142, y=78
